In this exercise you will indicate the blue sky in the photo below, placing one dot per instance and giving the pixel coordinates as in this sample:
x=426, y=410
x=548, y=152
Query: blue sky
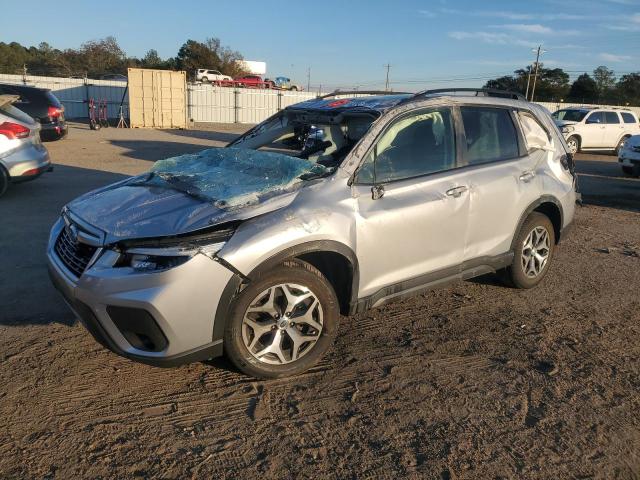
x=429, y=43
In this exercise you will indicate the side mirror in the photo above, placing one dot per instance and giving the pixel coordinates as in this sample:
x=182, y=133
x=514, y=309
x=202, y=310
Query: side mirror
x=377, y=192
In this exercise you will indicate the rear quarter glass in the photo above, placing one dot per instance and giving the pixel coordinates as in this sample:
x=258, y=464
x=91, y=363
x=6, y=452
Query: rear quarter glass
x=53, y=100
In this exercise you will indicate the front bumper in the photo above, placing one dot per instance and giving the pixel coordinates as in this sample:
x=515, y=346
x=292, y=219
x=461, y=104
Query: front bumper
x=629, y=158
x=183, y=302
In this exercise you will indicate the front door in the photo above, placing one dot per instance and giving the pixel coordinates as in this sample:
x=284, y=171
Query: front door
x=412, y=206
x=592, y=132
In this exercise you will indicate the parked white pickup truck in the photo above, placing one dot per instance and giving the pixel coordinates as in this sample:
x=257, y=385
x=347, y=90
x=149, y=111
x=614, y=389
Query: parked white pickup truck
x=596, y=128
x=205, y=76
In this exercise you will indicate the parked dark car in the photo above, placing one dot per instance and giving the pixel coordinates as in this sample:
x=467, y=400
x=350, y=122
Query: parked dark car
x=43, y=106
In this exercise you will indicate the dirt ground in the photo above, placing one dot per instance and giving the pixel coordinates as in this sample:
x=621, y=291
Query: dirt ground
x=473, y=381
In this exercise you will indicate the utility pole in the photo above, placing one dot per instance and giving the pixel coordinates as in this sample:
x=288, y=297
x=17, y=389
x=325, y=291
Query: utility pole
x=526, y=95
x=539, y=52
x=308, y=79
x=386, y=83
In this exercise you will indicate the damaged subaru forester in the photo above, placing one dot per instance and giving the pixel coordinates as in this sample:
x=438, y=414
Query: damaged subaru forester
x=330, y=207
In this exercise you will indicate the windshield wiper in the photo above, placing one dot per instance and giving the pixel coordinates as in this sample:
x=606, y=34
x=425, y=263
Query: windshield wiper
x=173, y=182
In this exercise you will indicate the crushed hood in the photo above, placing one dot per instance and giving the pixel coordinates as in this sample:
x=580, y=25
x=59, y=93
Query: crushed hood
x=190, y=192
x=634, y=141
x=564, y=123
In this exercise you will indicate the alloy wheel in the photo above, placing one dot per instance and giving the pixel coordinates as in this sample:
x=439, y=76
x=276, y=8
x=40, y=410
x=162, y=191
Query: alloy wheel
x=535, y=252
x=282, y=324
x=572, y=143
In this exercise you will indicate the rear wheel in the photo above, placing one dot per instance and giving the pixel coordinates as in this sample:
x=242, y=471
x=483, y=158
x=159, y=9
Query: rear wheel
x=4, y=181
x=533, y=252
x=573, y=143
x=283, y=322
x=205, y=79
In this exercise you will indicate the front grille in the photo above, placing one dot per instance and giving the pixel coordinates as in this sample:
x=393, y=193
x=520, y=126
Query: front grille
x=73, y=254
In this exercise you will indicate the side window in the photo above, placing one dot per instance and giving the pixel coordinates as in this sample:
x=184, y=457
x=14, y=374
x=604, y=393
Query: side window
x=414, y=145
x=491, y=134
x=628, y=117
x=596, y=117
x=535, y=135
x=611, y=117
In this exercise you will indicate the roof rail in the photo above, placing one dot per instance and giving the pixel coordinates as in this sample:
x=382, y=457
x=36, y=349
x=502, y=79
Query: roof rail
x=356, y=92
x=485, y=92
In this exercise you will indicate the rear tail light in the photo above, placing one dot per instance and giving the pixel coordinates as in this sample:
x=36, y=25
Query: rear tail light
x=55, y=112
x=13, y=130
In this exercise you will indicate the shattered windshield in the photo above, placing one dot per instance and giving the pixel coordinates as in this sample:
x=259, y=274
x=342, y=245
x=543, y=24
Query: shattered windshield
x=570, y=115
x=231, y=177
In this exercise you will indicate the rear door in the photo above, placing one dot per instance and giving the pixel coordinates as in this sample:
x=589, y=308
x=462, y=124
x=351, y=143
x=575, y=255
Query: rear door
x=412, y=203
x=614, y=129
x=502, y=178
x=592, y=131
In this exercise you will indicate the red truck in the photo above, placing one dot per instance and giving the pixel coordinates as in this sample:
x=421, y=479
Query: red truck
x=252, y=81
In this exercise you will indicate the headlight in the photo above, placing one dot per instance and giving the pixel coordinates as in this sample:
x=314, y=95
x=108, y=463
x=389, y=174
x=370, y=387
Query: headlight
x=567, y=129
x=159, y=259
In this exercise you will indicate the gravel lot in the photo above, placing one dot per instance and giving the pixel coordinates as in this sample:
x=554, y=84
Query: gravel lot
x=472, y=381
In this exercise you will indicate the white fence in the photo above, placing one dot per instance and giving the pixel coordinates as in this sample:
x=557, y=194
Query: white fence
x=238, y=105
x=205, y=103
x=74, y=93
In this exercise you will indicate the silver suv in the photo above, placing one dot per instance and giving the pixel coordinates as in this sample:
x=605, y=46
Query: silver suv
x=332, y=206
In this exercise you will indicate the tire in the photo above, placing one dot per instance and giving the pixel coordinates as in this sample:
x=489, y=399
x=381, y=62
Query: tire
x=294, y=89
x=573, y=143
x=620, y=145
x=520, y=274
x=204, y=79
x=269, y=351
x=4, y=180
x=632, y=171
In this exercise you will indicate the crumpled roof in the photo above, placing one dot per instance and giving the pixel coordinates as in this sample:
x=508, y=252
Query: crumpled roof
x=233, y=177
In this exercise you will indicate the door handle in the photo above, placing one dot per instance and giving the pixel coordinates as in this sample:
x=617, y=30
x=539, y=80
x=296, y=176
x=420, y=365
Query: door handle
x=456, y=192
x=527, y=176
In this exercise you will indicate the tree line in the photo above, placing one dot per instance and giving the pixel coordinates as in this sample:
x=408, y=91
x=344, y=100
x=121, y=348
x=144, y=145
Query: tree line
x=553, y=85
x=104, y=56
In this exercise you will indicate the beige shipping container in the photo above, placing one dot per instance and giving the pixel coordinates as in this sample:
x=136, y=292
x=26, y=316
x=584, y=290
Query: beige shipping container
x=157, y=98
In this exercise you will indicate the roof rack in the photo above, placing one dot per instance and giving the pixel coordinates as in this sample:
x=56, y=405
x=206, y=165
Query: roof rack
x=485, y=92
x=360, y=92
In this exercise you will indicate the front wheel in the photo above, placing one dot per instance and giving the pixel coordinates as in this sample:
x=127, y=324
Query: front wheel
x=574, y=144
x=283, y=322
x=533, y=252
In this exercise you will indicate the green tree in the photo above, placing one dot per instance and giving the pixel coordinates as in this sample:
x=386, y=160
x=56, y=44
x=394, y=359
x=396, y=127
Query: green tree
x=508, y=83
x=551, y=84
x=152, y=60
x=103, y=56
x=628, y=89
x=584, y=89
x=605, y=80
x=211, y=54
